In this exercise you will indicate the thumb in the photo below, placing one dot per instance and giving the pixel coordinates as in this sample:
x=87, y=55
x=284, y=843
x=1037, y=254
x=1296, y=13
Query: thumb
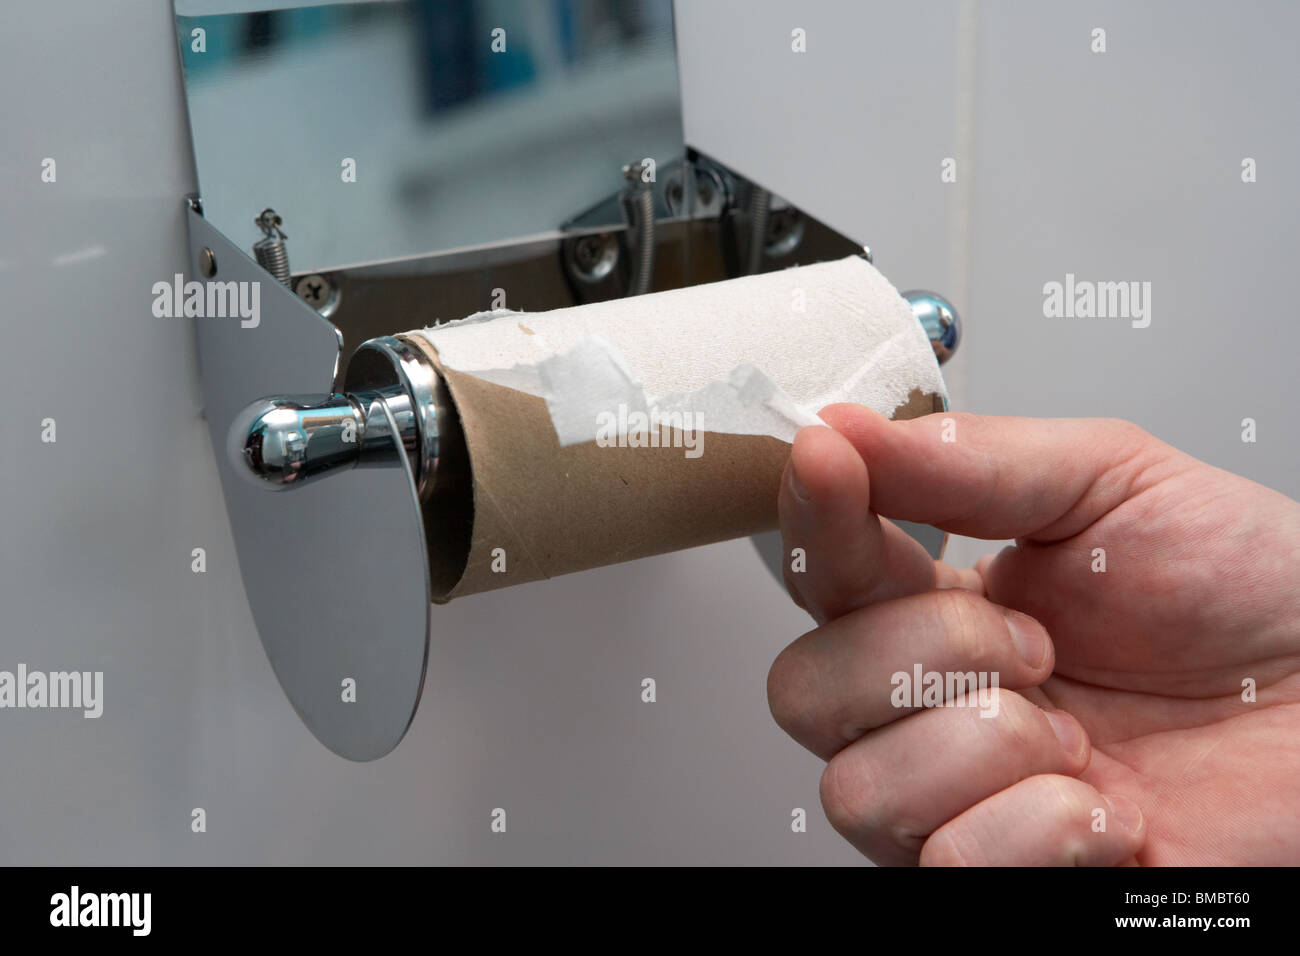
x=1039, y=479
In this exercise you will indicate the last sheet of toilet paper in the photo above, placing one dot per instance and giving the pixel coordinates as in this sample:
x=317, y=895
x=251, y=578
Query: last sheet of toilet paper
x=759, y=355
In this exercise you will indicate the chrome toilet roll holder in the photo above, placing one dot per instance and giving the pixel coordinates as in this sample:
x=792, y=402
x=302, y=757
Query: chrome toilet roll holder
x=336, y=567
x=346, y=631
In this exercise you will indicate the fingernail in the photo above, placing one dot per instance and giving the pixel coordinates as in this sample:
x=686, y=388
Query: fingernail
x=1124, y=812
x=797, y=486
x=1028, y=636
x=1067, y=731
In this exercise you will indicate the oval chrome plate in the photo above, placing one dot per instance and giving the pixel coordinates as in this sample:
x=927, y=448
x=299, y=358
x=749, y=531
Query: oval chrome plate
x=336, y=572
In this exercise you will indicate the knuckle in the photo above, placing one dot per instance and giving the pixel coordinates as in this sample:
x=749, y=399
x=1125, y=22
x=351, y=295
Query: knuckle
x=1073, y=852
x=964, y=619
x=907, y=837
x=1133, y=442
x=1063, y=808
x=1062, y=796
x=792, y=588
x=1067, y=813
x=846, y=794
x=1020, y=724
x=1124, y=430
x=942, y=849
x=792, y=690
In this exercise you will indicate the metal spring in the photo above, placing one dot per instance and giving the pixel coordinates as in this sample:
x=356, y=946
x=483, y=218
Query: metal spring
x=270, y=250
x=643, y=266
x=273, y=256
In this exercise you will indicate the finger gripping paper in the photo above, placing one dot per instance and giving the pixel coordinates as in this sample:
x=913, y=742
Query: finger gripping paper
x=618, y=430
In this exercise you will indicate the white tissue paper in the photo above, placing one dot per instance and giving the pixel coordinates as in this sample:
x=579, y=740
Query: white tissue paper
x=759, y=355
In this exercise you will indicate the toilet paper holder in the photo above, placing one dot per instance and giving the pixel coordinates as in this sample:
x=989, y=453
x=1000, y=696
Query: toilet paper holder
x=362, y=441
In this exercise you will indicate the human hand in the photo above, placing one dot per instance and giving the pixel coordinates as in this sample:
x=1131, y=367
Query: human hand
x=1120, y=690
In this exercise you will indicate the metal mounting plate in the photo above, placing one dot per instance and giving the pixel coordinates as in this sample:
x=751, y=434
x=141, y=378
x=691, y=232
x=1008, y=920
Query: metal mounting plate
x=336, y=572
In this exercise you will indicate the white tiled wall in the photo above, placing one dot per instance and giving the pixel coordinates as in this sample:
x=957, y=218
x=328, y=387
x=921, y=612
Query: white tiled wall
x=1115, y=166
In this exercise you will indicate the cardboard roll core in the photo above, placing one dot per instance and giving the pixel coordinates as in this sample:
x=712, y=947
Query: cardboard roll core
x=515, y=506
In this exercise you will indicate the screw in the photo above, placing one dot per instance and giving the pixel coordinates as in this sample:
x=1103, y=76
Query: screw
x=207, y=262
x=784, y=231
x=589, y=248
x=314, y=289
x=592, y=257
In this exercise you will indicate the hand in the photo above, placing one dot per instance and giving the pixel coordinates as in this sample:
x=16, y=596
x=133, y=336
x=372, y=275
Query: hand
x=1119, y=690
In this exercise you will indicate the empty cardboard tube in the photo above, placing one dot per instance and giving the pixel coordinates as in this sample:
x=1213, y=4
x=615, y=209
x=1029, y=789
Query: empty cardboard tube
x=511, y=505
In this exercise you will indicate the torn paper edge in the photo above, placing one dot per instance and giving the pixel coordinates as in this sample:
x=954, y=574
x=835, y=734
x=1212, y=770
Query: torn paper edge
x=591, y=386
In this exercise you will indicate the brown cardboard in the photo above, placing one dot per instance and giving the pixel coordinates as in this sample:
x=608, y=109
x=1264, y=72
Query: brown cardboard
x=534, y=510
